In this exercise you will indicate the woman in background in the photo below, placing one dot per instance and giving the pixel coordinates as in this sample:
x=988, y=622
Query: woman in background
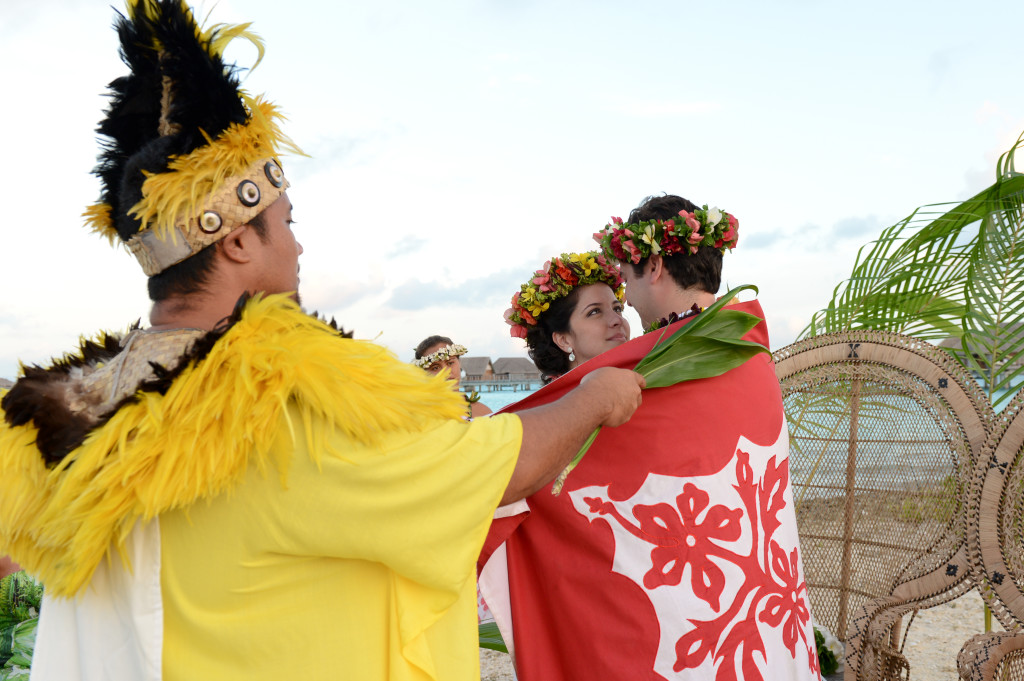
x=435, y=353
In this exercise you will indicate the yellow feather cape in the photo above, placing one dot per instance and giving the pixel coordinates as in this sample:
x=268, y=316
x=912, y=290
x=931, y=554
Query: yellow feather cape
x=220, y=416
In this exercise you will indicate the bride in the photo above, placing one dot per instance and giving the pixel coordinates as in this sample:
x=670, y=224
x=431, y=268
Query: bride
x=570, y=311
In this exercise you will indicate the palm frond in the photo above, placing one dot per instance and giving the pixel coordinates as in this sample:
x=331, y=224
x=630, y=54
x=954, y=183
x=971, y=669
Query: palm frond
x=947, y=270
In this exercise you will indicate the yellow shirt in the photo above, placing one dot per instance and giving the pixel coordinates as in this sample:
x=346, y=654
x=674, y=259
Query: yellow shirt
x=361, y=569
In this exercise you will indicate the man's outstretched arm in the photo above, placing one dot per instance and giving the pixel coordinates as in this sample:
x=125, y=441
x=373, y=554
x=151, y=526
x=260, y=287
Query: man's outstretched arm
x=552, y=434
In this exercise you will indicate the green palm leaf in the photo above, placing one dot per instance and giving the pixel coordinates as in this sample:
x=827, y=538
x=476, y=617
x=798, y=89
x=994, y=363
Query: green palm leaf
x=948, y=270
x=490, y=637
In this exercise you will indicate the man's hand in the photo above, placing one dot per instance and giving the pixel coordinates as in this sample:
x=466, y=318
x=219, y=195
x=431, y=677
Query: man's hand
x=620, y=387
x=552, y=434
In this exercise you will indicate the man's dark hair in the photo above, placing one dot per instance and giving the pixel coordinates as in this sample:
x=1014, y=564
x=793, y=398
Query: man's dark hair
x=702, y=269
x=191, y=274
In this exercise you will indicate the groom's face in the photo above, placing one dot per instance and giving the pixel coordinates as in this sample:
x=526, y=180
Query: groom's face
x=638, y=289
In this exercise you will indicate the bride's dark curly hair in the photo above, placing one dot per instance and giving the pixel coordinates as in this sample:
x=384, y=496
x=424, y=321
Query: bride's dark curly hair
x=549, y=358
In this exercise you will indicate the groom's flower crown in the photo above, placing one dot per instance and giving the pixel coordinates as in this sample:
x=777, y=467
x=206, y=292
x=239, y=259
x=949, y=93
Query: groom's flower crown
x=555, y=280
x=634, y=241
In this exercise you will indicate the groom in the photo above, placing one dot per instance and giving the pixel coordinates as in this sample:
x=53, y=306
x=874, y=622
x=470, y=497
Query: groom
x=662, y=287
x=672, y=552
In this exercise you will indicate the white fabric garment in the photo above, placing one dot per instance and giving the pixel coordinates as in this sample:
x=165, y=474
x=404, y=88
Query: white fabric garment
x=112, y=631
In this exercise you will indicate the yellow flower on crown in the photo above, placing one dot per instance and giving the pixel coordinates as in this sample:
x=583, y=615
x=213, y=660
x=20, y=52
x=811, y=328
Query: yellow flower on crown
x=587, y=262
x=649, y=238
x=536, y=308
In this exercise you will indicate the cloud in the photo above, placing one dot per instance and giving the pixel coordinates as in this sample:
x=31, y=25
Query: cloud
x=336, y=294
x=859, y=228
x=415, y=294
x=667, y=109
x=762, y=239
x=813, y=237
x=939, y=66
x=408, y=246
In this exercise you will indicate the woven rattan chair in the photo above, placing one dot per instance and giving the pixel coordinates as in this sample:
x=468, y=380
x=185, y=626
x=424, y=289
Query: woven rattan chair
x=995, y=547
x=884, y=431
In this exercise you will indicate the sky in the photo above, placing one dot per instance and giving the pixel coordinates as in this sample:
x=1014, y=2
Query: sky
x=454, y=146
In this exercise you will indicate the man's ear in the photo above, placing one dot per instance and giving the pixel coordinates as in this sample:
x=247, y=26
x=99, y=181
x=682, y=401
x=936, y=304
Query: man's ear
x=657, y=265
x=236, y=246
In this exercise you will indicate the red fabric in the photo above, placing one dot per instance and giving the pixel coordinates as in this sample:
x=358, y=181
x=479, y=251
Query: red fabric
x=577, y=618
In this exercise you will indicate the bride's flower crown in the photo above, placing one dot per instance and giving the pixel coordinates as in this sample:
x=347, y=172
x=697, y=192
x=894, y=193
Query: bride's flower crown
x=555, y=280
x=634, y=241
x=442, y=355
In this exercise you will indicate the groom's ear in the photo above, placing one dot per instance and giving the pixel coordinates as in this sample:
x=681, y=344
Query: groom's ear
x=657, y=267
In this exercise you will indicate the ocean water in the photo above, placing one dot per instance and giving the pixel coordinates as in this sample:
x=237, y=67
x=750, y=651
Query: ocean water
x=501, y=398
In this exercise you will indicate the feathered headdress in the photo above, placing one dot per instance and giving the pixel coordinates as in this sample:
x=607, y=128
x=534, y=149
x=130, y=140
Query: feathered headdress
x=189, y=156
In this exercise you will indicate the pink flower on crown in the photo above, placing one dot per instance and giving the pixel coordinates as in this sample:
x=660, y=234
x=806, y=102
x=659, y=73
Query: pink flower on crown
x=695, y=236
x=693, y=223
x=732, y=233
x=616, y=246
x=518, y=331
x=633, y=251
x=542, y=278
x=617, y=221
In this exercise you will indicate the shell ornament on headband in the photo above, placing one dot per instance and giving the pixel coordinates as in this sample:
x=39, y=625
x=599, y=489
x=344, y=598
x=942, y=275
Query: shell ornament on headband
x=188, y=156
x=442, y=355
x=634, y=241
x=555, y=280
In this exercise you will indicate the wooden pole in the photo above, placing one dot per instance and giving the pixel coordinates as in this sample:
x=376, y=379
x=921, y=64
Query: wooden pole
x=851, y=475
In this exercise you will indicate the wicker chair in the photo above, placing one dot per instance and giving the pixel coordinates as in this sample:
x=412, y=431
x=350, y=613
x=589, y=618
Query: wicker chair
x=995, y=547
x=884, y=432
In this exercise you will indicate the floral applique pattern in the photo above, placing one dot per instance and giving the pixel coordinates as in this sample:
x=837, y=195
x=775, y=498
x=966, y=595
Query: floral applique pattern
x=724, y=559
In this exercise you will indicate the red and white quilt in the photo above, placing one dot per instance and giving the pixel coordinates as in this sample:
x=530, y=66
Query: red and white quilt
x=672, y=552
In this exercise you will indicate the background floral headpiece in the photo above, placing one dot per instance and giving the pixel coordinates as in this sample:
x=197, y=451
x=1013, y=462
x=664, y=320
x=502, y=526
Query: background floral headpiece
x=442, y=355
x=634, y=241
x=555, y=280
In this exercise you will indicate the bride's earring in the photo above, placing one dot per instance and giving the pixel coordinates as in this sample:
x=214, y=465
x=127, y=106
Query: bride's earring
x=572, y=357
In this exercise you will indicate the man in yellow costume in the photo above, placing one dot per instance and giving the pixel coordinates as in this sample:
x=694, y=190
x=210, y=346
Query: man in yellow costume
x=241, y=491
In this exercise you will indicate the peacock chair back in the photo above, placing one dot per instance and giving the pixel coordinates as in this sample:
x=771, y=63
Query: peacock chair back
x=884, y=434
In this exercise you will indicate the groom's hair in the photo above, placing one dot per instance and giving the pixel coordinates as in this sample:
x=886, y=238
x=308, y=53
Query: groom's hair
x=702, y=269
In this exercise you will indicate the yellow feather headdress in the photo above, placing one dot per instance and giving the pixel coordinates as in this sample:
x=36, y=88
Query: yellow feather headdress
x=189, y=156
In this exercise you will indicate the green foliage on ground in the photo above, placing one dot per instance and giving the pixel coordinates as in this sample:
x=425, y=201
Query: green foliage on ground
x=20, y=600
